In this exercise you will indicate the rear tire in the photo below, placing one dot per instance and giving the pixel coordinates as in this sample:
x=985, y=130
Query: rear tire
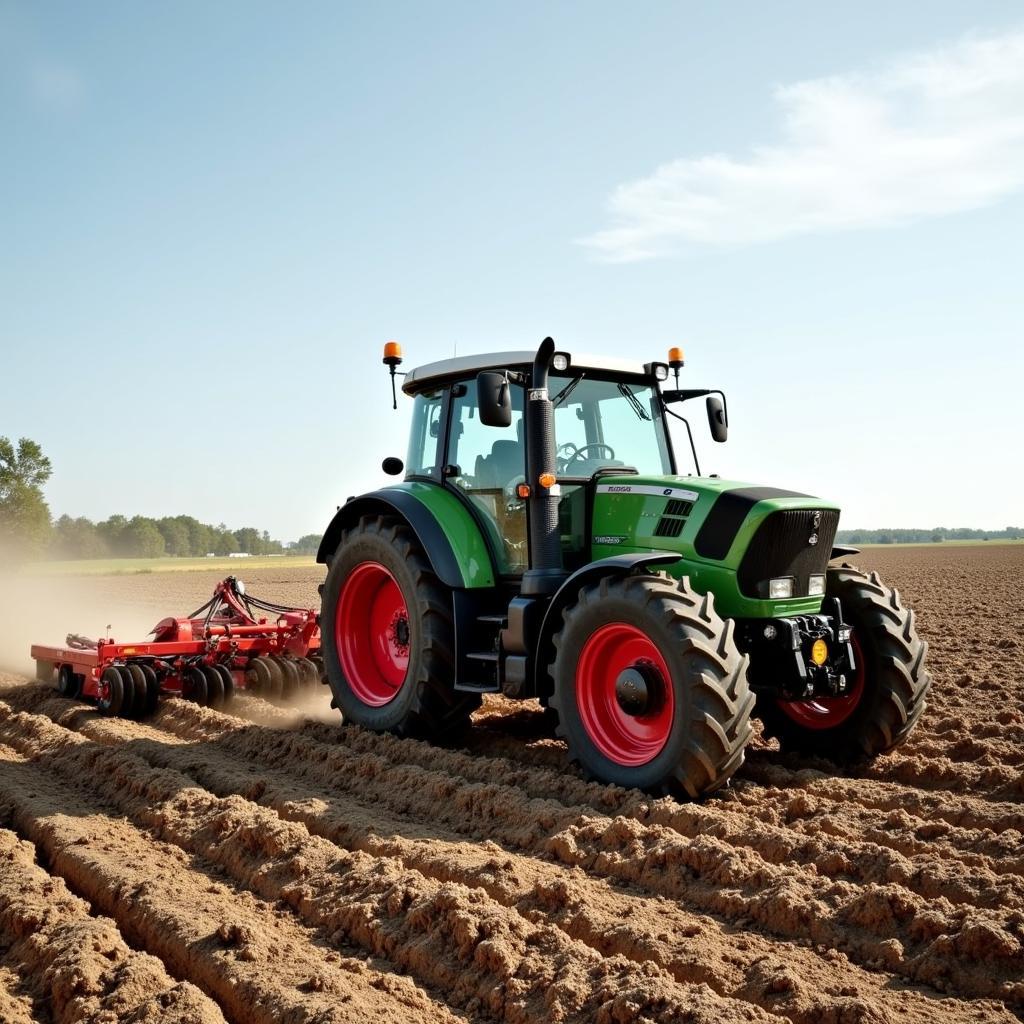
x=387, y=634
x=111, y=692
x=891, y=679
x=67, y=682
x=694, y=721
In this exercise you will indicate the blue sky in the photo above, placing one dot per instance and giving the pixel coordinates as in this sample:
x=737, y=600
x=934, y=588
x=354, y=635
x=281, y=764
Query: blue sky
x=213, y=215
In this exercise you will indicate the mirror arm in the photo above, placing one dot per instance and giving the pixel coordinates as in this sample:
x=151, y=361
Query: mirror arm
x=689, y=434
x=686, y=394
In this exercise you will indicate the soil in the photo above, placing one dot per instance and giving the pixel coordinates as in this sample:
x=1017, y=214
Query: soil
x=272, y=865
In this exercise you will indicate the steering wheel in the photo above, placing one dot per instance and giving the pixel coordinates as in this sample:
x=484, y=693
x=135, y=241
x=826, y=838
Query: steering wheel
x=581, y=453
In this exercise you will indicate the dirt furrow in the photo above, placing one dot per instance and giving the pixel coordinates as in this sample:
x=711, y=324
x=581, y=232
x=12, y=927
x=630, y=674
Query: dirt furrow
x=925, y=836
x=879, y=794
x=926, y=940
x=778, y=976
x=15, y=1004
x=961, y=811
x=996, y=782
x=483, y=955
x=260, y=966
x=77, y=966
x=865, y=863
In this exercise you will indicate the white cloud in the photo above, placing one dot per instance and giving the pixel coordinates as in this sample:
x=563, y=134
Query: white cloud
x=931, y=133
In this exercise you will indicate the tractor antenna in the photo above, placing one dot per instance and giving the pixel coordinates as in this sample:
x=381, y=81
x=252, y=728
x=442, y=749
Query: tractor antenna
x=393, y=358
x=675, y=360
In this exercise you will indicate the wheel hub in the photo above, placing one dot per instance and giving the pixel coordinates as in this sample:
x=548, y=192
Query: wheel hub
x=400, y=634
x=637, y=689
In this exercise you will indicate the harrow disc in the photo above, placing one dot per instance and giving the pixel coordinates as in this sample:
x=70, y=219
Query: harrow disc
x=257, y=676
x=214, y=686
x=292, y=679
x=194, y=685
x=227, y=681
x=140, y=691
x=152, y=688
x=127, y=692
x=308, y=671
x=276, y=685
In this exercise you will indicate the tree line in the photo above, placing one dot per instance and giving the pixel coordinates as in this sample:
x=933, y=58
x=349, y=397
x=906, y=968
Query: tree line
x=935, y=535
x=27, y=530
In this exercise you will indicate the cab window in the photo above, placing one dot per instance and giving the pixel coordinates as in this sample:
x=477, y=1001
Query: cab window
x=423, y=434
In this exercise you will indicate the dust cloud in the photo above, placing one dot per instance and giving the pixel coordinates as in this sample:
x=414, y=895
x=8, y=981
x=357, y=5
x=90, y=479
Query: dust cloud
x=36, y=609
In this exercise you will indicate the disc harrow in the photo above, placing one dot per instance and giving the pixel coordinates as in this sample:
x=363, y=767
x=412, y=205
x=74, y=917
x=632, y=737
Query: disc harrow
x=235, y=641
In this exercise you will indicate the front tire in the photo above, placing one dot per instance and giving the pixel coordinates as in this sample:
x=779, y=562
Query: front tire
x=387, y=634
x=649, y=687
x=889, y=689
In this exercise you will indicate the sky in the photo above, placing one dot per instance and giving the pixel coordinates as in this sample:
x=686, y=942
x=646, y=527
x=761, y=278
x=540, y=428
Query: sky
x=212, y=217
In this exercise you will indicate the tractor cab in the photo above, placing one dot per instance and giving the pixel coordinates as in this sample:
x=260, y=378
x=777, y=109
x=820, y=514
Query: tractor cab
x=608, y=417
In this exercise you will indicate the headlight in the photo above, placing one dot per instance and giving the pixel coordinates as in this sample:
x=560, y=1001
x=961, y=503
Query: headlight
x=560, y=361
x=780, y=588
x=660, y=371
x=816, y=586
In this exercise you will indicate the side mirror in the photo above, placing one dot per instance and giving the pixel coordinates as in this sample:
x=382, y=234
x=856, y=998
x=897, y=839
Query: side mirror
x=392, y=466
x=716, y=418
x=494, y=399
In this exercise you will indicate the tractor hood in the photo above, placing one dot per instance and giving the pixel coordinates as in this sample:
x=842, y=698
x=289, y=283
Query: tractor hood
x=716, y=525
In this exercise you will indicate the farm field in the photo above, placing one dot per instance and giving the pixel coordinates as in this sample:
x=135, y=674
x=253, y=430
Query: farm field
x=270, y=865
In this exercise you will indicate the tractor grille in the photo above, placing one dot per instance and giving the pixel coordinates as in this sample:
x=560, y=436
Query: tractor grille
x=676, y=507
x=781, y=547
x=673, y=518
x=669, y=527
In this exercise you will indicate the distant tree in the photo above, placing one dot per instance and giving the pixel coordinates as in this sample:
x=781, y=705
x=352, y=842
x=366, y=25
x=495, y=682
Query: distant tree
x=249, y=540
x=223, y=541
x=112, y=532
x=142, y=539
x=24, y=514
x=77, y=538
x=307, y=545
x=176, y=537
x=937, y=538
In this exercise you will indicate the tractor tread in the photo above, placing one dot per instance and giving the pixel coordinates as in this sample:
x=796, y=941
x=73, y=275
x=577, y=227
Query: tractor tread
x=722, y=702
x=435, y=707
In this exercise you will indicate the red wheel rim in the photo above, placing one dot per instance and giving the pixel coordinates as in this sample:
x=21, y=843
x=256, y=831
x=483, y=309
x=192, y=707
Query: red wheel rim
x=828, y=712
x=627, y=739
x=371, y=631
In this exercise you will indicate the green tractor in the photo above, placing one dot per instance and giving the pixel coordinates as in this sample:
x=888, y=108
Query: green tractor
x=543, y=544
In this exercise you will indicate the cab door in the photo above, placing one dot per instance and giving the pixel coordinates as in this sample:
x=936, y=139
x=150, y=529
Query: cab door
x=485, y=464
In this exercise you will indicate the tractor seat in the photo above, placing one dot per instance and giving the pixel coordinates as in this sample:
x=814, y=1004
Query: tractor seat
x=502, y=466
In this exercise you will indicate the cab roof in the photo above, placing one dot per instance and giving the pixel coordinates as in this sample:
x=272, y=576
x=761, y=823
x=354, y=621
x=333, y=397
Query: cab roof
x=461, y=367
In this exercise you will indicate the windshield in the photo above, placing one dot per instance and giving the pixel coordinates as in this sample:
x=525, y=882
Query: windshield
x=602, y=423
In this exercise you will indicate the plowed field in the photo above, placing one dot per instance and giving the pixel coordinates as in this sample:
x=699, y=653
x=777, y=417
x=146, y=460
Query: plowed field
x=269, y=865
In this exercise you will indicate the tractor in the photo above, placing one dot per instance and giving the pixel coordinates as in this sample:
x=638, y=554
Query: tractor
x=544, y=543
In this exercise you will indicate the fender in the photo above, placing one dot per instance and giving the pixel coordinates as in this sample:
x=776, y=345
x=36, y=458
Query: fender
x=421, y=520
x=841, y=551
x=616, y=565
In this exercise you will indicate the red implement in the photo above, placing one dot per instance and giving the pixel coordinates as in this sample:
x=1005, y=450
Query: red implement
x=233, y=641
